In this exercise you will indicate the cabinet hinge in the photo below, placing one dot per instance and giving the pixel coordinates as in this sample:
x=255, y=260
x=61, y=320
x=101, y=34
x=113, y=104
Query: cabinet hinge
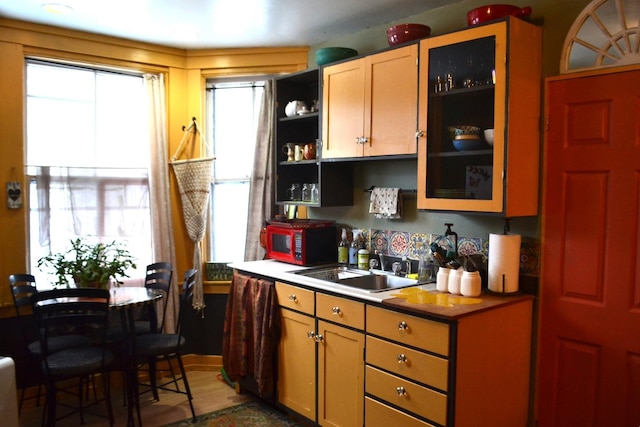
x=547, y=119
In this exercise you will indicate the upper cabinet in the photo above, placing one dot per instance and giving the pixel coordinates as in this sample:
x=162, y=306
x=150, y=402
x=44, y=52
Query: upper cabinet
x=487, y=77
x=301, y=179
x=369, y=105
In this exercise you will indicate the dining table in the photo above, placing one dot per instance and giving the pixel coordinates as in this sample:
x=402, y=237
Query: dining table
x=125, y=300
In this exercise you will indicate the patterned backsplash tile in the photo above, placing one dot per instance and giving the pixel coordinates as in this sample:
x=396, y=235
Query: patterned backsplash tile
x=407, y=244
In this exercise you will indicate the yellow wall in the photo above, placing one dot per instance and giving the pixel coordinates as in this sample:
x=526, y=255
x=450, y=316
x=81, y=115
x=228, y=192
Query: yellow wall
x=185, y=74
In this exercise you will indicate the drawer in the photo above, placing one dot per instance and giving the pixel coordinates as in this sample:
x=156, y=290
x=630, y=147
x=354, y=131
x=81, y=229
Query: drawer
x=340, y=310
x=421, y=367
x=295, y=298
x=410, y=330
x=412, y=397
x=377, y=414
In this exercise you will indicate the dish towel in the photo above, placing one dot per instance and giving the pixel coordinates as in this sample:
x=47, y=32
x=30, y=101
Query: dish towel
x=386, y=203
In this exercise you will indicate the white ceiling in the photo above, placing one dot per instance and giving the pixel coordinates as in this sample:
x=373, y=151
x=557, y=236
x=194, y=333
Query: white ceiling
x=197, y=24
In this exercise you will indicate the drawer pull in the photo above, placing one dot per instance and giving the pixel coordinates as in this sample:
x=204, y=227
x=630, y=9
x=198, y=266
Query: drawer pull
x=318, y=338
x=311, y=335
x=401, y=391
x=336, y=311
x=293, y=298
x=402, y=326
x=402, y=358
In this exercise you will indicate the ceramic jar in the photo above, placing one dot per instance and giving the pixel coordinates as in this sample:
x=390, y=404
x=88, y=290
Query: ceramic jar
x=442, y=279
x=470, y=284
x=454, y=281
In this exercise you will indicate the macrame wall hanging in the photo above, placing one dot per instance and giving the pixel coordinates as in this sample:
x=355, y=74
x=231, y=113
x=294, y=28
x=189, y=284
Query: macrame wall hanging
x=194, y=183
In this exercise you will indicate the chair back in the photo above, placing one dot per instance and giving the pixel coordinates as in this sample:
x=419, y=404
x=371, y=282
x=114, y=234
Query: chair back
x=72, y=311
x=159, y=276
x=22, y=287
x=186, y=296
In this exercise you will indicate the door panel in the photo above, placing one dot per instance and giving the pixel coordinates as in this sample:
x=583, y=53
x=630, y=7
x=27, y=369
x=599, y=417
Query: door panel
x=589, y=350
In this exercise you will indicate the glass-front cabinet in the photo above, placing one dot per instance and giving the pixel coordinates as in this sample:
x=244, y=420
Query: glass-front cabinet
x=479, y=113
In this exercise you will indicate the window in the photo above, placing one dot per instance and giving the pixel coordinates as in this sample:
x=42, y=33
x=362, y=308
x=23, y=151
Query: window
x=233, y=113
x=87, y=159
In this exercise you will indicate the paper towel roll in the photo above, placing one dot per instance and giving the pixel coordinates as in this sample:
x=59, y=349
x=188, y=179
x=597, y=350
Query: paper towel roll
x=504, y=262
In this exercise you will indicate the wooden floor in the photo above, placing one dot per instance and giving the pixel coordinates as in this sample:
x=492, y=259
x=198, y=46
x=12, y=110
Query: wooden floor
x=209, y=394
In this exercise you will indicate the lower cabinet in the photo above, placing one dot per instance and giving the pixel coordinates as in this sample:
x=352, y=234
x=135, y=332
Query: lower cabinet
x=297, y=364
x=321, y=357
x=297, y=350
x=347, y=363
x=466, y=372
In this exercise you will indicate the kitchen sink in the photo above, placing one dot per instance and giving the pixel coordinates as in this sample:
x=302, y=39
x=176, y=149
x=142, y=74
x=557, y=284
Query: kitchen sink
x=372, y=280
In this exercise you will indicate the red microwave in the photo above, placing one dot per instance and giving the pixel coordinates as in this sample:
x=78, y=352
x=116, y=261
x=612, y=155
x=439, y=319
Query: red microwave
x=302, y=242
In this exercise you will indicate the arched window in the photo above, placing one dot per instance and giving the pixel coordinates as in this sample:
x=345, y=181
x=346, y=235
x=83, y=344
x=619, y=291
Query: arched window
x=605, y=34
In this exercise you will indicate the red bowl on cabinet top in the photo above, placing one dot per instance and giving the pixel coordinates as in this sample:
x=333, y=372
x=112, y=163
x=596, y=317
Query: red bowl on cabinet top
x=496, y=11
x=403, y=33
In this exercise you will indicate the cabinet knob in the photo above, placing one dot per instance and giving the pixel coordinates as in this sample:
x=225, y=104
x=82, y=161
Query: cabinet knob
x=402, y=326
x=419, y=133
x=365, y=140
x=311, y=335
x=358, y=140
x=402, y=358
x=336, y=311
x=318, y=338
x=401, y=391
x=293, y=298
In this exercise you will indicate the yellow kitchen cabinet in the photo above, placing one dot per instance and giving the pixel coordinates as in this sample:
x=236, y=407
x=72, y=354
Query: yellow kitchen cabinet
x=340, y=376
x=370, y=105
x=331, y=343
x=467, y=370
x=297, y=351
x=489, y=77
x=340, y=361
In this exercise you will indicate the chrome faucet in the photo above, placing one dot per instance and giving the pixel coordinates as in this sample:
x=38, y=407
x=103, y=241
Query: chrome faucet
x=408, y=261
x=381, y=257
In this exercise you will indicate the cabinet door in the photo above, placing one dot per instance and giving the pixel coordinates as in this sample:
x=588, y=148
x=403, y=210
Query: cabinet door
x=391, y=102
x=340, y=376
x=297, y=364
x=473, y=78
x=343, y=109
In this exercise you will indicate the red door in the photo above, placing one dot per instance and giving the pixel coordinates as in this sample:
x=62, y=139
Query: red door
x=589, y=350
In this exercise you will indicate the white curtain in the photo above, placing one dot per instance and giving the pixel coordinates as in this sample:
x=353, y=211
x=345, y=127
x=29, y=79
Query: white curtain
x=106, y=203
x=160, y=198
x=261, y=186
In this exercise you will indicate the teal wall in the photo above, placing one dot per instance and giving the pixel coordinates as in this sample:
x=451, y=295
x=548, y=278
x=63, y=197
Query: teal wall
x=554, y=16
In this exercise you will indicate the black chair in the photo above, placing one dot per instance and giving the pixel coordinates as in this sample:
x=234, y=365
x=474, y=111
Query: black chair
x=158, y=276
x=65, y=313
x=22, y=287
x=153, y=348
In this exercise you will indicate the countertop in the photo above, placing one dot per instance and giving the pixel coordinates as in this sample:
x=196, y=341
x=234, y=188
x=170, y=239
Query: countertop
x=439, y=304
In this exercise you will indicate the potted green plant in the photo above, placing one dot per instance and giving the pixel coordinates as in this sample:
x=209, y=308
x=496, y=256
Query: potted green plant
x=89, y=264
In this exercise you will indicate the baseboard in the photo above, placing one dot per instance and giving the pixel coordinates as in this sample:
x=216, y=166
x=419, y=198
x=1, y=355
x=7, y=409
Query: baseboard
x=202, y=362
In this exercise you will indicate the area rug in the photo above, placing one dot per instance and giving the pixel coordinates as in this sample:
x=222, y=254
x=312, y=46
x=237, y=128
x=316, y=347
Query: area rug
x=248, y=414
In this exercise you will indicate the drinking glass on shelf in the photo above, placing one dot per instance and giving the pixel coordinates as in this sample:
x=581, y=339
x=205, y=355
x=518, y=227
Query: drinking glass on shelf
x=294, y=192
x=306, y=192
x=314, y=192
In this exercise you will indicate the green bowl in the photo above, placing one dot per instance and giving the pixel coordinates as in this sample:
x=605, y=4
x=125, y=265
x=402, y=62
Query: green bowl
x=327, y=55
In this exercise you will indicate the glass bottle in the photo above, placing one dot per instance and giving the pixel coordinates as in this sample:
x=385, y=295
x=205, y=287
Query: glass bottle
x=354, y=248
x=343, y=249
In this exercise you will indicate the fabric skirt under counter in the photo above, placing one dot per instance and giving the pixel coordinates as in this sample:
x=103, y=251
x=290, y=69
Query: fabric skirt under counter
x=251, y=332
